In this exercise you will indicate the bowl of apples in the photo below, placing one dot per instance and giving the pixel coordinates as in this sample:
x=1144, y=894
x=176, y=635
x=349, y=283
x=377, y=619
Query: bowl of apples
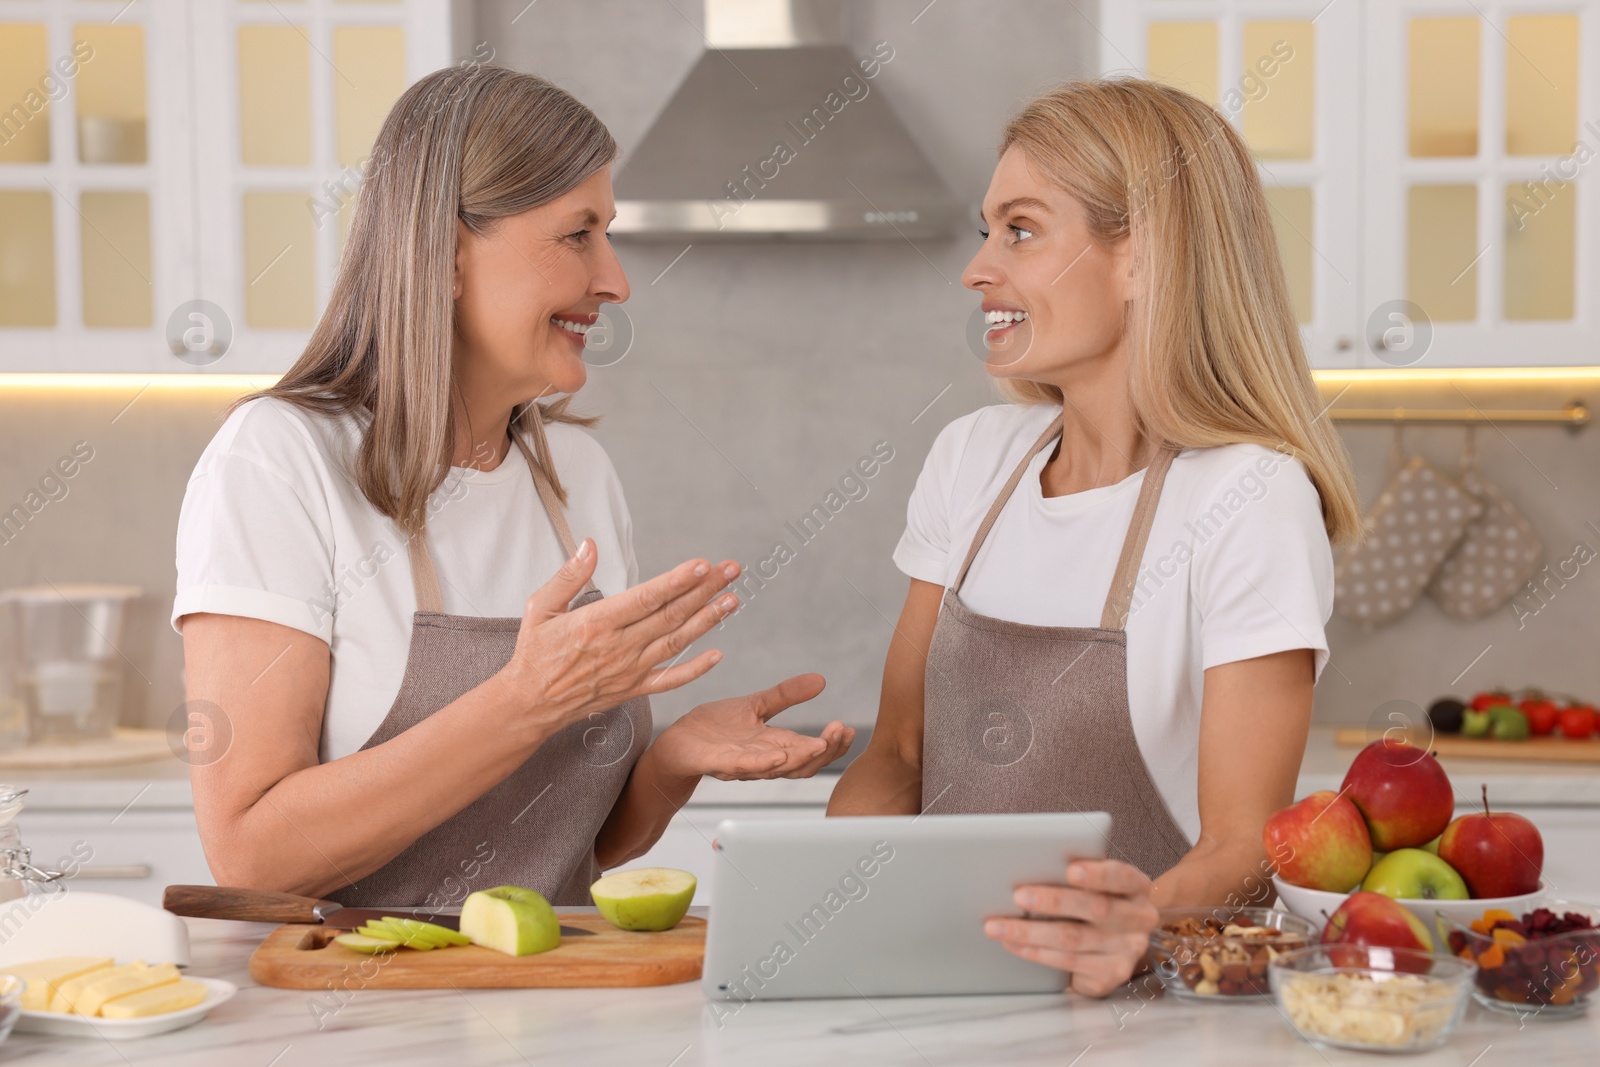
x=1391, y=830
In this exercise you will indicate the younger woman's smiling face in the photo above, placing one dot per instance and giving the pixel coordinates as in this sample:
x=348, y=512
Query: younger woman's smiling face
x=1054, y=298
x=529, y=287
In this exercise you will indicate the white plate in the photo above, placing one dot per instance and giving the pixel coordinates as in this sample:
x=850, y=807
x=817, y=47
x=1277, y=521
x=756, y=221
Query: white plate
x=62, y=1025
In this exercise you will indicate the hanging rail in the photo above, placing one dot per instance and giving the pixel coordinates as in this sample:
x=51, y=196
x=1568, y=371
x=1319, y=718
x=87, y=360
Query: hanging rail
x=1574, y=415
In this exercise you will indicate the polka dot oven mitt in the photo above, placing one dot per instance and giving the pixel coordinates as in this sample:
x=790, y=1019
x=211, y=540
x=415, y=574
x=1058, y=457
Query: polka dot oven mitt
x=1415, y=524
x=1498, y=553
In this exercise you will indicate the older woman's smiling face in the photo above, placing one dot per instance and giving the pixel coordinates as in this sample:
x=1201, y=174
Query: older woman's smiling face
x=1053, y=296
x=528, y=289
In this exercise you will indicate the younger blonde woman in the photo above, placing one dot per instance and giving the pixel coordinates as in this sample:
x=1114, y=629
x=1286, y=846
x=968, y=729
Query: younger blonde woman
x=1119, y=579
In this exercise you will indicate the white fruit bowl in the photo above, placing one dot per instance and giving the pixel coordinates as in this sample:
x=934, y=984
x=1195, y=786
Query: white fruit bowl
x=1317, y=904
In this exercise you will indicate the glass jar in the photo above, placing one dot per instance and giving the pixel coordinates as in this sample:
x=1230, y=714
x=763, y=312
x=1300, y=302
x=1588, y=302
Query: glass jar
x=18, y=875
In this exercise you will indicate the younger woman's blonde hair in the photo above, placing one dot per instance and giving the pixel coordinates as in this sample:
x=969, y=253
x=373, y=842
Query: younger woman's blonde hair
x=469, y=143
x=1217, y=353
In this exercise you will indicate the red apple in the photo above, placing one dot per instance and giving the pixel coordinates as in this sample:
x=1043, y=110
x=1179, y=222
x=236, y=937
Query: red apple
x=1497, y=854
x=1402, y=792
x=1320, y=842
x=1372, y=919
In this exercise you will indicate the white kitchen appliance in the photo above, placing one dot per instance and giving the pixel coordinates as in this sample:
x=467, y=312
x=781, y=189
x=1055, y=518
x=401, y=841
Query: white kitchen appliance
x=881, y=905
x=66, y=657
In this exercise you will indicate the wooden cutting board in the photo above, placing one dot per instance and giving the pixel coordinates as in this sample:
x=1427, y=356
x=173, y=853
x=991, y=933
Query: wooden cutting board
x=592, y=953
x=1562, y=749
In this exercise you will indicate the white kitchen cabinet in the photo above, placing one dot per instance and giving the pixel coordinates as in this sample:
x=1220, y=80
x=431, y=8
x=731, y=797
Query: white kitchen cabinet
x=162, y=154
x=133, y=854
x=1431, y=179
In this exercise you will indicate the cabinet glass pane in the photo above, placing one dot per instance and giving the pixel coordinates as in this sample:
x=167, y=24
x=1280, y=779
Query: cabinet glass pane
x=1292, y=219
x=1541, y=84
x=1278, y=83
x=1442, y=250
x=27, y=259
x=1540, y=237
x=116, y=258
x=371, y=73
x=274, y=96
x=278, y=256
x=111, y=94
x=1443, y=65
x=1184, y=54
x=26, y=86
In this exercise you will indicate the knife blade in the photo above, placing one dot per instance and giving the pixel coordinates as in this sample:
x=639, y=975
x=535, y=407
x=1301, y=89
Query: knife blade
x=259, y=905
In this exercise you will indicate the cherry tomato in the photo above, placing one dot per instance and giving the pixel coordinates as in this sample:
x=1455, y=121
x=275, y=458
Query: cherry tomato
x=1542, y=715
x=1488, y=699
x=1578, y=722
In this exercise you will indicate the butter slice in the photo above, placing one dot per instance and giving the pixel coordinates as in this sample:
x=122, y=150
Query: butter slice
x=67, y=992
x=97, y=993
x=43, y=976
x=171, y=996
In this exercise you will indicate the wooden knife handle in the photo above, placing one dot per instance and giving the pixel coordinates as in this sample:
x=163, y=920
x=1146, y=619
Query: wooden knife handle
x=248, y=905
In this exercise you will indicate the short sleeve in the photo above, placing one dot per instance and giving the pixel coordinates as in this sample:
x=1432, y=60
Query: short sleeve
x=924, y=548
x=250, y=544
x=1263, y=581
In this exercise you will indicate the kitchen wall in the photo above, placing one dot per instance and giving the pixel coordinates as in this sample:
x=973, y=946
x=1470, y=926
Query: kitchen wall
x=760, y=374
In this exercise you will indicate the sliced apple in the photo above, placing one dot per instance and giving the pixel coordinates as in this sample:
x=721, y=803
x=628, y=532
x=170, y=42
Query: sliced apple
x=646, y=898
x=396, y=930
x=438, y=936
x=510, y=919
x=367, y=944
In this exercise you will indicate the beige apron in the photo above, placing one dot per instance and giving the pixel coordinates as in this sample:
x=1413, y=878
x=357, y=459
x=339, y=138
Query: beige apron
x=537, y=827
x=1021, y=718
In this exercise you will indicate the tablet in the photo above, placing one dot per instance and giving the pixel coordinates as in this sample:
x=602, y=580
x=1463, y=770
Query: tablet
x=881, y=905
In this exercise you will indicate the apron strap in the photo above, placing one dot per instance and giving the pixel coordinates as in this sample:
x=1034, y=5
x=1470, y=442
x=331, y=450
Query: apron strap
x=1050, y=434
x=1120, y=596
x=426, y=579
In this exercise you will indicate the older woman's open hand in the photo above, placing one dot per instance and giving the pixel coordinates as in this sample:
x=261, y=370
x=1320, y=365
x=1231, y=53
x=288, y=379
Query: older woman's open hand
x=732, y=739
x=1097, y=926
x=570, y=663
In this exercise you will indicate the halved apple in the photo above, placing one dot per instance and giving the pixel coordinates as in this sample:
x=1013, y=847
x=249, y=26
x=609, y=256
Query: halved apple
x=510, y=919
x=646, y=898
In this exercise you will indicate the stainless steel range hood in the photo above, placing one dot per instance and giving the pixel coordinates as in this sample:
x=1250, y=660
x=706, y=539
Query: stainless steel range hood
x=780, y=130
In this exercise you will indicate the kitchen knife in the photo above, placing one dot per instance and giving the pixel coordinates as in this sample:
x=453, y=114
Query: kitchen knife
x=259, y=905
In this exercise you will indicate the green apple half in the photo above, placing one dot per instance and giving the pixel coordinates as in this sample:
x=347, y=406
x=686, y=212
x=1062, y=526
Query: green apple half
x=646, y=898
x=510, y=919
x=1415, y=874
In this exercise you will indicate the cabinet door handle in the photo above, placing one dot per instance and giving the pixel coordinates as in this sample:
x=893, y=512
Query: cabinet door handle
x=131, y=870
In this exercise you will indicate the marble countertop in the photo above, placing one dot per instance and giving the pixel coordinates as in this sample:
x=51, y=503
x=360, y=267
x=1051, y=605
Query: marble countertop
x=165, y=783
x=673, y=1026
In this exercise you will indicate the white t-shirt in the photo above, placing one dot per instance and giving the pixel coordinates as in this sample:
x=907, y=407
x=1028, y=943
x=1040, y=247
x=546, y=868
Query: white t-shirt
x=1238, y=565
x=274, y=527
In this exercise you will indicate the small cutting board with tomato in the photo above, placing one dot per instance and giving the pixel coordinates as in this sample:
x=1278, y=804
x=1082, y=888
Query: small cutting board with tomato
x=1562, y=749
x=592, y=953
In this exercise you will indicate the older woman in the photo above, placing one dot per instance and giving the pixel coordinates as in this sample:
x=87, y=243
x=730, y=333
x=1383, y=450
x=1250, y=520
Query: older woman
x=1119, y=580
x=358, y=544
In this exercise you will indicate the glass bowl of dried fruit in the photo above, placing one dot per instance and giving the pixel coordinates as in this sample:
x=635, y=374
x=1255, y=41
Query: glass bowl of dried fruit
x=1371, y=998
x=1547, y=962
x=1222, y=953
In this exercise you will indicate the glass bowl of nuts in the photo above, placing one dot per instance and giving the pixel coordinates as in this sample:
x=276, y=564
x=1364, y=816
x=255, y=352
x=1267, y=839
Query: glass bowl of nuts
x=1370, y=998
x=1223, y=952
x=1545, y=963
